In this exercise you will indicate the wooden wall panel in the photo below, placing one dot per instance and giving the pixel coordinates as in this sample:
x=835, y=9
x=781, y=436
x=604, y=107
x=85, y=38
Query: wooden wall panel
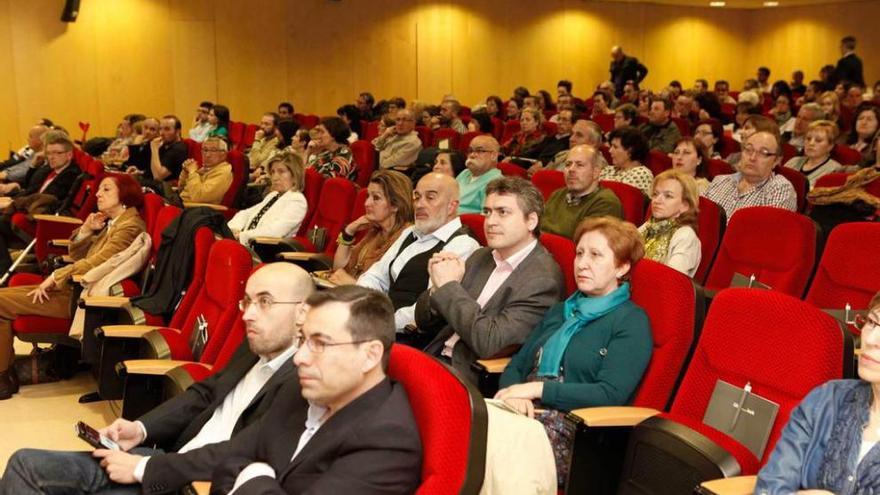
x=11, y=131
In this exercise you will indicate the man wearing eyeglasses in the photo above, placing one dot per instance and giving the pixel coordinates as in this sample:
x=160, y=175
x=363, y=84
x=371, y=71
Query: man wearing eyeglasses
x=754, y=184
x=482, y=168
x=399, y=146
x=358, y=434
x=201, y=127
x=209, y=183
x=189, y=432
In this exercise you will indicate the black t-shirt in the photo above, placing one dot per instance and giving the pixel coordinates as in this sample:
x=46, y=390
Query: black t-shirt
x=171, y=155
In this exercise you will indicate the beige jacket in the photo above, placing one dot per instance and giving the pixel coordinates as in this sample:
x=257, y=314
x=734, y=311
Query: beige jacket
x=207, y=185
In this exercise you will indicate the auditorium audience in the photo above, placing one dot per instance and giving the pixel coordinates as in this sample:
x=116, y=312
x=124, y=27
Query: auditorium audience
x=797, y=82
x=494, y=107
x=117, y=152
x=669, y=235
x=358, y=434
x=184, y=439
x=399, y=145
x=819, y=144
x=460, y=313
x=625, y=69
x=626, y=115
x=482, y=168
x=91, y=244
x=201, y=125
x=529, y=142
x=218, y=117
x=558, y=142
x=328, y=150
x=266, y=140
x=364, y=103
x=208, y=183
x=830, y=104
x=829, y=443
x=628, y=151
x=448, y=162
x=660, y=131
x=763, y=79
x=159, y=161
x=402, y=271
x=582, y=196
x=480, y=122
x=754, y=184
x=781, y=111
x=285, y=112
x=582, y=132
x=690, y=158
x=601, y=104
x=14, y=171
x=563, y=88
x=864, y=130
x=558, y=369
x=351, y=116
x=752, y=124
x=709, y=133
x=284, y=207
x=448, y=117
x=299, y=144
x=388, y=210
x=722, y=91
x=795, y=130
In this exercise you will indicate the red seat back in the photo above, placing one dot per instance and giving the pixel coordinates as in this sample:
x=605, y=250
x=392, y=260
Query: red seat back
x=236, y=133
x=371, y=130
x=239, y=177
x=715, y=167
x=799, y=182
x=845, y=155
x=658, y=161
x=307, y=121
x=359, y=207
x=846, y=275
x=562, y=249
x=727, y=146
x=451, y=418
x=548, y=181
x=775, y=245
x=203, y=242
x=512, y=169
x=193, y=150
x=788, y=152
x=446, y=134
x=497, y=128
x=684, y=127
x=511, y=127
x=247, y=139
x=550, y=128
x=312, y=191
x=741, y=342
x=605, y=121
x=711, y=222
x=334, y=209
x=426, y=136
x=631, y=198
x=365, y=157
x=475, y=222
x=676, y=314
x=465, y=142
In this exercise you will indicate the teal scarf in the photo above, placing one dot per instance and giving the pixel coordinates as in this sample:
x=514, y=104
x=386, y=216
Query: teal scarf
x=579, y=311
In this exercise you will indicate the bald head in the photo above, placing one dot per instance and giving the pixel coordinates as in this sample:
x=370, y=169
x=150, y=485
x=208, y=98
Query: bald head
x=582, y=168
x=287, y=277
x=274, y=307
x=616, y=52
x=35, y=137
x=482, y=155
x=435, y=200
x=586, y=132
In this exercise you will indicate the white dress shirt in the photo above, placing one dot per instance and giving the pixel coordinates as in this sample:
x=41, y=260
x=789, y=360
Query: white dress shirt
x=282, y=220
x=503, y=269
x=377, y=277
x=219, y=427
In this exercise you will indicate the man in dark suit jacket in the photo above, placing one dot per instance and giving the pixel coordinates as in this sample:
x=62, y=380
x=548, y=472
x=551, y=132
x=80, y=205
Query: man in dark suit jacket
x=849, y=67
x=358, y=435
x=488, y=306
x=625, y=69
x=195, y=424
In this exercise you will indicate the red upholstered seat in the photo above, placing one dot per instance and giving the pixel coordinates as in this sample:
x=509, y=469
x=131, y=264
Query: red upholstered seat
x=845, y=155
x=684, y=127
x=193, y=150
x=847, y=274
x=550, y=128
x=475, y=222
x=307, y=121
x=727, y=146
x=359, y=206
x=799, y=182
x=631, y=198
x=425, y=135
x=371, y=130
x=314, y=181
x=333, y=212
x=676, y=314
x=775, y=245
x=452, y=422
x=548, y=181
x=711, y=223
x=788, y=152
x=247, y=139
x=497, y=128
x=236, y=133
x=465, y=141
x=239, y=178
x=744, y=340
x=605, y=121
x=511, y=127
x=365, y=157
x=716, y=167
x=658, y=161
x=563, y=250
x=512, y=169
x=446, y=134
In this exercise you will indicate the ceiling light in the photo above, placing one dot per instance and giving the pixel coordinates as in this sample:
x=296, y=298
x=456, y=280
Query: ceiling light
x=771, y=4
x=717, y=4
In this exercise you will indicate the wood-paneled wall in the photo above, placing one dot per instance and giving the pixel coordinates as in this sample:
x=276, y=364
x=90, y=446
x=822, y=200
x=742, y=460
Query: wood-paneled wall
x=164, y=56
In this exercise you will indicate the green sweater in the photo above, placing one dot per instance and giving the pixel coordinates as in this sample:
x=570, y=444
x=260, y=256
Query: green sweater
x=562, y=219
x=591, y=377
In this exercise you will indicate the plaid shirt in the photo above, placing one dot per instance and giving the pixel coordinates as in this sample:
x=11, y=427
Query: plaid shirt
x=774, y=191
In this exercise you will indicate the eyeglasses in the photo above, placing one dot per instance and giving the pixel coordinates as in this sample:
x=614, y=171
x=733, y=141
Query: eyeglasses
x=264, y=303
x=212, y=150
x=477, y=150
x=762, y=153
x=864, y=322
x=318, y=346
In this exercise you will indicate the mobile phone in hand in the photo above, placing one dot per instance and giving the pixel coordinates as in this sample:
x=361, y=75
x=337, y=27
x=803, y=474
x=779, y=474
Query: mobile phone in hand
x=93, y=438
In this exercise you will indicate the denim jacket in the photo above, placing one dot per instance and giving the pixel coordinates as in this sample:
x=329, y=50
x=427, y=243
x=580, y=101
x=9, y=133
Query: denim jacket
x=804, y=456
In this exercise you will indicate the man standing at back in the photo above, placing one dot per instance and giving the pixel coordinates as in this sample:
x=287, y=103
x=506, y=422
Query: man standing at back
x=482, y=307
x=849, y=67
x=402, y=272
x=625, y=69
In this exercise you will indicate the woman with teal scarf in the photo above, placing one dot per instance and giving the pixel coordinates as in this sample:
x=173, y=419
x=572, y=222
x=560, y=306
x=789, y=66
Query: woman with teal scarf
x=592, y=348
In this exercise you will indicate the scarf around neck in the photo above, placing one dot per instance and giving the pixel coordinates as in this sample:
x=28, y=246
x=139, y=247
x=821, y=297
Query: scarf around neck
x=579, y=310
x=657, y=235
x=841, y=453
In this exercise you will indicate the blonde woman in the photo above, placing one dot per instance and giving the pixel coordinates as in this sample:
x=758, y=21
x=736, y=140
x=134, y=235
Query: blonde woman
x=670, y=234
x=818, y=144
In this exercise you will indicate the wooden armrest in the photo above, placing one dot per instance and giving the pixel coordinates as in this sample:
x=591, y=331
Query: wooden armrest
x=59, y=242
x=494, y=365
x=200, y=487
x=57, y=218
x=128, y=331
x=737, y=485
x=300, y=256
x=187, y=204
x=105, y=301
x=67, y=259
x=76, y=278
x=152, y=366
x=614, y=415
x=272, y=241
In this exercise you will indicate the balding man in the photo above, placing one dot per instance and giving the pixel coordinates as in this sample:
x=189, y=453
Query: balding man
x=482, y=168
x=190, y=432
x=795, y=130
x=582, y=196
x=14, y=170
x=402, y=272
x=448, y=117
x=582, y=132
x=208, y=183
x=625, y=69
x=399, y=146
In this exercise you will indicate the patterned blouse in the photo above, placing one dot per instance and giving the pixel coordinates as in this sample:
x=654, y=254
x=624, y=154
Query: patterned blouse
x=339, y=163
x=639, y=177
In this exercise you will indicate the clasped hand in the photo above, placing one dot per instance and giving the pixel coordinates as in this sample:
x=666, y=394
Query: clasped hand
x=445, y=267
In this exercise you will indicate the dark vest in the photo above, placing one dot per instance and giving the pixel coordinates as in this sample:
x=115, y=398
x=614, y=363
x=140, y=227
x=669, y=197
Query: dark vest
x=413, y=278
